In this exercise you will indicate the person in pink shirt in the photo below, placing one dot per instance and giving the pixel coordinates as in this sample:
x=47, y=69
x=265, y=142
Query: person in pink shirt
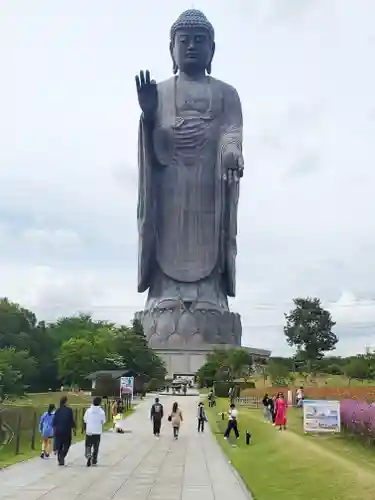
x=280, y=420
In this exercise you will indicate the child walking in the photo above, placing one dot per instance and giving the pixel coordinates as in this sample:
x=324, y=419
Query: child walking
x=46, y=430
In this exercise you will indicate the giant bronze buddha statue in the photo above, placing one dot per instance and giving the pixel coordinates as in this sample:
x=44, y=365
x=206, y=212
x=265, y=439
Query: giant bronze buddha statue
x=190, y=164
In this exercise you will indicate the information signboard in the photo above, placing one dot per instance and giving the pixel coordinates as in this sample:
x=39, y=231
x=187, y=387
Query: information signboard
x=321, y=416
x=126, y=386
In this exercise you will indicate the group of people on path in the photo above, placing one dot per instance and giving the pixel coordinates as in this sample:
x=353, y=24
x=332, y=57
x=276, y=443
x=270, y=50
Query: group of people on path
x=58, y=426
x=175, y=418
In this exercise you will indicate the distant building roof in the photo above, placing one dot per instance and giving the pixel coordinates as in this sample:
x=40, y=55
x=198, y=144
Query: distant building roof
x=115, y=374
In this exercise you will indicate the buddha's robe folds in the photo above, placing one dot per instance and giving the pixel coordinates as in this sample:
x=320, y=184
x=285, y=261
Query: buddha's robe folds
x=187, y=211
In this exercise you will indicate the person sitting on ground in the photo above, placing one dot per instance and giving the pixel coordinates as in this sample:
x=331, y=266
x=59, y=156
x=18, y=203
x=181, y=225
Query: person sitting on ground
x=117, y=424
x=232, y=422
x=117, y=409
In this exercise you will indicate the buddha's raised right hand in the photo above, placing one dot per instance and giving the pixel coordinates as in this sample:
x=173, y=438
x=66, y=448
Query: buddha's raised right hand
x=147, y=94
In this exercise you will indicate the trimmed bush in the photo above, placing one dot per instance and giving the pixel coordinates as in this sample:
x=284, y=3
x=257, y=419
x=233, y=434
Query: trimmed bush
x=222, y=388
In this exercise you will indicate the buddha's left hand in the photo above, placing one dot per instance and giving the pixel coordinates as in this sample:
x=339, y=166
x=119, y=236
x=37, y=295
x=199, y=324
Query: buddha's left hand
x=233, y=164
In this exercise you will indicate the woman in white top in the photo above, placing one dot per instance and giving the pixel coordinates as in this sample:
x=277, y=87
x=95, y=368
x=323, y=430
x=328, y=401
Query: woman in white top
x=232, y=422
x=176, y=420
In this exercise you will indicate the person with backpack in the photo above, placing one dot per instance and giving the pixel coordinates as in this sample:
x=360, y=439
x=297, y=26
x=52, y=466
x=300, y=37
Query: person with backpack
x=201, y=415
x=46, y=430
x=94, y=419
x=157, y=414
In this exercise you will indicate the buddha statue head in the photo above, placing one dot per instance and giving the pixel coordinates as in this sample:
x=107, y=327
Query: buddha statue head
x=192, y=43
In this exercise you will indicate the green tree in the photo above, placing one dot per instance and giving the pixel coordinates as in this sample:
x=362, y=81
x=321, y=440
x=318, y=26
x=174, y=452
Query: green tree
x=277, y=370
x=16, y=369
x=77, y=358
x=334, y=370
x=309, y=329
x=241, y=363
x=79, y=326
x=225, y=365
x=109, y=347
x=20, y=330
x=17, y=325
x=360, y=367
x=131, y=349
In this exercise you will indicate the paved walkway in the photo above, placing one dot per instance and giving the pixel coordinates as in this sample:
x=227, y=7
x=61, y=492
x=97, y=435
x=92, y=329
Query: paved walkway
x=133, y=466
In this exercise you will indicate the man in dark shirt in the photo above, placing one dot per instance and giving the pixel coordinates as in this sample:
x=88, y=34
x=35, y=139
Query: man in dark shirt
x=63, y=423
x=157, y=413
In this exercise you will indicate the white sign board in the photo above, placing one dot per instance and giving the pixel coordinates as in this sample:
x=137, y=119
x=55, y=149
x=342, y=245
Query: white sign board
x=126, y=386
x=321, y=416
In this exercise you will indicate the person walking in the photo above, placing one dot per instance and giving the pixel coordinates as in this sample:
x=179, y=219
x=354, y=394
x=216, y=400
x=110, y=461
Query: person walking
x=300, y=397
x=267, y=408
x=280, y=419
x=201, y=415
x=157, y=414
x=232, y=422
x=46, y=430
x=176, y=419
x=273, y=407
x=94, y=419
x=63, y=424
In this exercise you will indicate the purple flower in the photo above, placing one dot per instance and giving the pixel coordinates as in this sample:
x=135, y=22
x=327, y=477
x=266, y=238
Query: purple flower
x=358, y=417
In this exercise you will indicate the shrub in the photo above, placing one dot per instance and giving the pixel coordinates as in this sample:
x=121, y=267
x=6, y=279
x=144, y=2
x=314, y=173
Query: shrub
x=334, y=370
x=222, y=388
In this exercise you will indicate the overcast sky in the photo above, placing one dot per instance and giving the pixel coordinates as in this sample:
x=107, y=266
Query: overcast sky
x=68, y=155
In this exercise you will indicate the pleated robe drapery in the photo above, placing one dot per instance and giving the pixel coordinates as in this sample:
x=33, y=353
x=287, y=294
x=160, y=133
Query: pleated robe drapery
x=226, y=195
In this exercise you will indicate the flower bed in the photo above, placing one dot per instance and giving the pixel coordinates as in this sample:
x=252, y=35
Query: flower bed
x=365, y=393
x=358, y=418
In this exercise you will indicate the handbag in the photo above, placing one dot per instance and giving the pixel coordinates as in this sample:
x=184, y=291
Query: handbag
x=170, y=418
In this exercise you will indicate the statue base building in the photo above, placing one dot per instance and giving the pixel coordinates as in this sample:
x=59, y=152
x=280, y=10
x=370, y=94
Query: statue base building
x=186, y=327
x=187, y=361
x=183, y=338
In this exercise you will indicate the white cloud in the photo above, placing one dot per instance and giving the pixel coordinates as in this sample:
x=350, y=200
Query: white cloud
x=68, y=140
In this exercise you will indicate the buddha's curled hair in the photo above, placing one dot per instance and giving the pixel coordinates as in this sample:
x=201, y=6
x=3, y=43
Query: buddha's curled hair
x=192, y=18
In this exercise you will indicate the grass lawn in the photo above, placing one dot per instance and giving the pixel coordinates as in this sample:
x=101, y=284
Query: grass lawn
x=292, y=466
x=40, y=402
x=45, y=398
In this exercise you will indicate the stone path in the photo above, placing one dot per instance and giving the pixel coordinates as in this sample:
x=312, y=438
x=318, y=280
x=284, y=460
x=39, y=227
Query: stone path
x=133, y=466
